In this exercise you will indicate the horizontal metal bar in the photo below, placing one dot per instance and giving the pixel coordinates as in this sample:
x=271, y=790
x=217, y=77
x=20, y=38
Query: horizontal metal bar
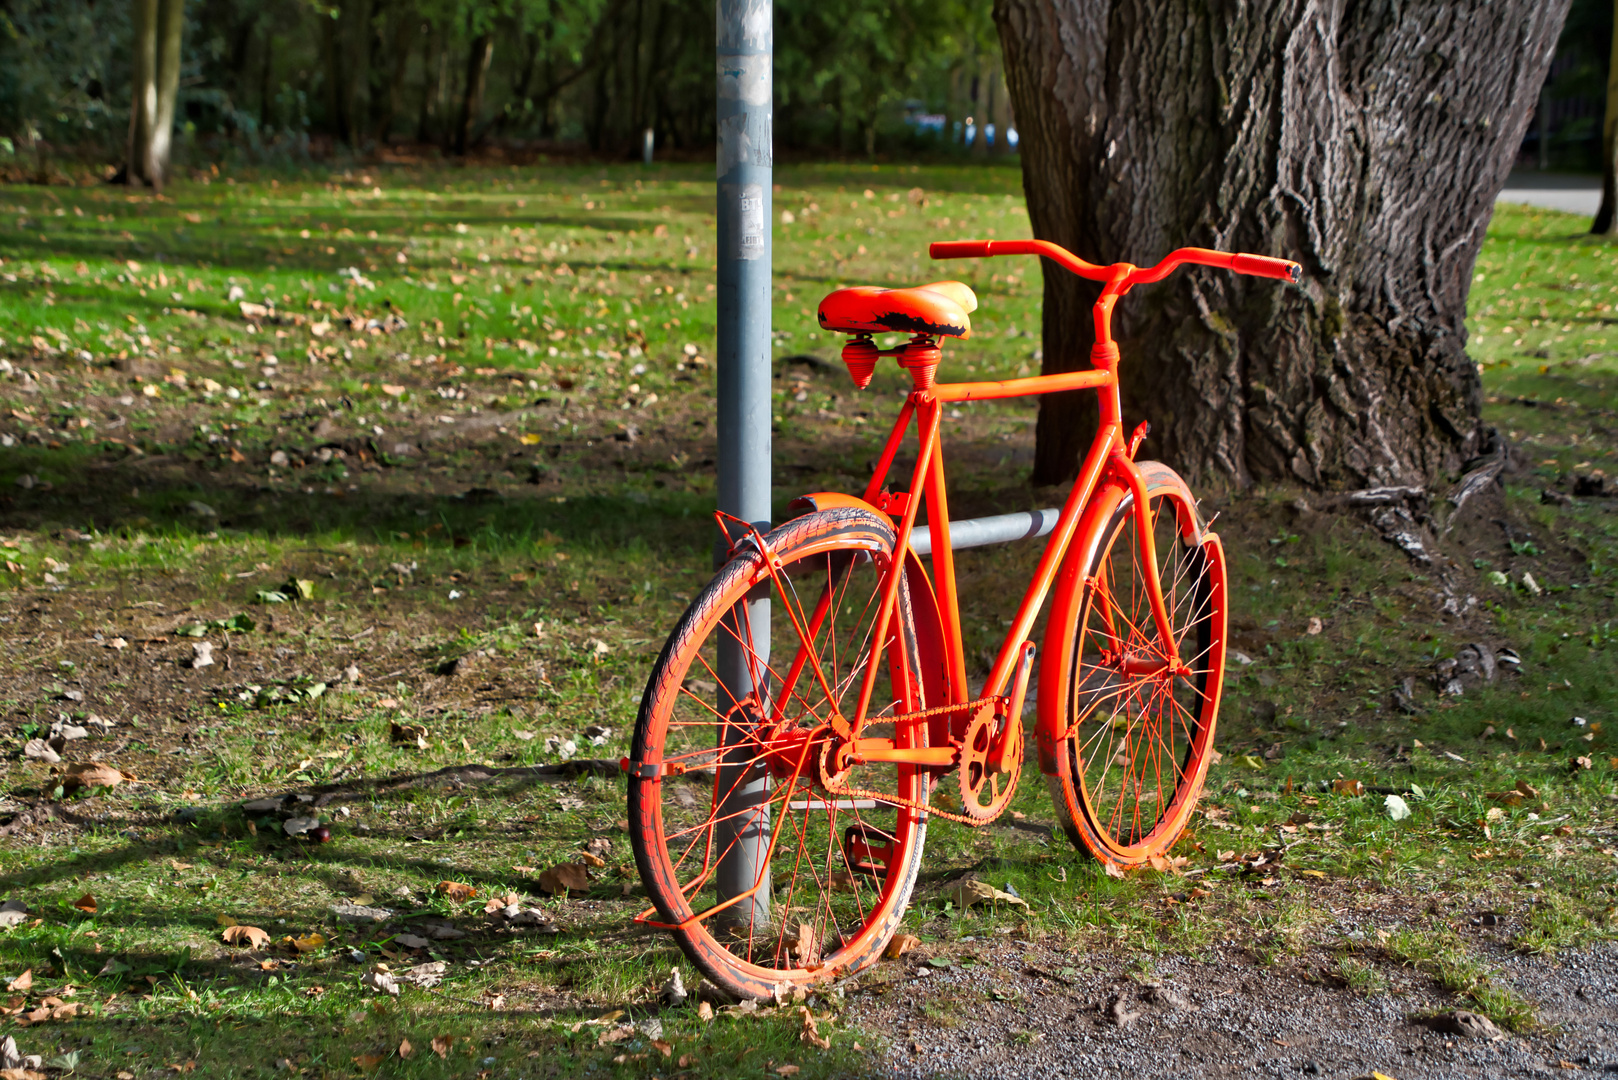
x=1000, y=529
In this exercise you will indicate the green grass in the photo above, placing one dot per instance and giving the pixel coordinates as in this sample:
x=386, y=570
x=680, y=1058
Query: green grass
x=536, y=503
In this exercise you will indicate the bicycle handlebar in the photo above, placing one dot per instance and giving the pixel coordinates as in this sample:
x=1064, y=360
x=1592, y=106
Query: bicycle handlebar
x=1255, y=265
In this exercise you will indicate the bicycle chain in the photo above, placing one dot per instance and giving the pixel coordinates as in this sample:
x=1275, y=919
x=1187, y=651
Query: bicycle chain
x=925, y=808
x=898, y=800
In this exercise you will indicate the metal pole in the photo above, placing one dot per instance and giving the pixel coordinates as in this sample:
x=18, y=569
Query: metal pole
x=746, y=44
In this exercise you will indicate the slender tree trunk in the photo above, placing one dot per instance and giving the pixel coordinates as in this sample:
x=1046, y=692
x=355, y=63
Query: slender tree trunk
x=159, y=28
x=404, y=32
x=336, y=77
x=1607, y=217
x=1366, y=140
x=266, y=80
x=980, y=112
x=477, y=75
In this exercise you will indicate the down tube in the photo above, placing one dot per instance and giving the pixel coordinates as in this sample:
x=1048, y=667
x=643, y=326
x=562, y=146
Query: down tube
x=1083, y=487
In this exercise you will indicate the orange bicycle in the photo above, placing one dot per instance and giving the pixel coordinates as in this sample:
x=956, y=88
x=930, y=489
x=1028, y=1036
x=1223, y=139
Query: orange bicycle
x=799, y=722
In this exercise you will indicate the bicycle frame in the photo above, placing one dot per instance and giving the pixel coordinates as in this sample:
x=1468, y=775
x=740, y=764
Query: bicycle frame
x=1109, y=454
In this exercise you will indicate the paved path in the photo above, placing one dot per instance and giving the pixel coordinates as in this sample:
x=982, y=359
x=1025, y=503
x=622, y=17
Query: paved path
x=1554, y=191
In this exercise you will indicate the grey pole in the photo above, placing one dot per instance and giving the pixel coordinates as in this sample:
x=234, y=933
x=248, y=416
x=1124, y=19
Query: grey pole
x=746, y=44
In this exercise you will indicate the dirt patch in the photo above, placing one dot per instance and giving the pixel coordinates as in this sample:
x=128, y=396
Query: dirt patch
x=1219, y=1016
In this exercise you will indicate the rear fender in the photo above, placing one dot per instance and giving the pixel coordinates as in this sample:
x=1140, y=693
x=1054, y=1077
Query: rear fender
x=828, y=500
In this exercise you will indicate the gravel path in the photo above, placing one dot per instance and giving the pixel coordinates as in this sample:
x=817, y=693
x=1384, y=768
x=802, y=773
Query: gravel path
x=1225, y=1018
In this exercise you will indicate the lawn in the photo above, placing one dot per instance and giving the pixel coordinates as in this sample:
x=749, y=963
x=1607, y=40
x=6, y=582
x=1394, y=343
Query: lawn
x=420, y=459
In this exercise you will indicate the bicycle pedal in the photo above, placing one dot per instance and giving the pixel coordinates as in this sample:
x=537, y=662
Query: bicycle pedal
x=862, y=855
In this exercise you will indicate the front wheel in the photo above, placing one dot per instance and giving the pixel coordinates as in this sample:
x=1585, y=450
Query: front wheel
x=769, y=862
x=1137, y=735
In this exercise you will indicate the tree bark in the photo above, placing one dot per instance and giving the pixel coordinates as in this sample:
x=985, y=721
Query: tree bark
x=159, y=28
x=1364, y=138
x=477, y=76
x=1606, y=221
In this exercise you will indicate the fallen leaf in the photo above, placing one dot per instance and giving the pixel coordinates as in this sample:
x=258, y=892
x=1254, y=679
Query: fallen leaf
x=810, y=1031
x=22, y=982
x=370, y=1062
x=970, y=891
x=442, y=1043
x=90, y=774
x=899, y=945
x=1348, y=787
x=405, y=1049
x=666, y=1049
x=1528, y=790
x=456, y=891
x=1113, y=870
x=565, y=877
x=384, y=983
x=86, y=904
x=704, y=1011
x=786, y=1070
x=408, y=733
x=1248, y=761
x=308, y=942
x=1314, y=626
x=249, y=935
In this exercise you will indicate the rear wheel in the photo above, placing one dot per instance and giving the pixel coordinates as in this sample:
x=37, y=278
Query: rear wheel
x=744, y=798
x=1139, y=734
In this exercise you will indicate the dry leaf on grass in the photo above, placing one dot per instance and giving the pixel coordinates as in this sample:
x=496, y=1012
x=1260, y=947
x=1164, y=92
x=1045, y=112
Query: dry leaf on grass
x=370, y=1062
x=408, y=733
x=308, y=942
x=21, y=982
x=565, y=877
x=91, y=774
x=899, y=945
x=1348, y=787
x=405, y=1049
x=456, y=891
x=786, y=1070
x=86, y=904
x=500, y=903
x=246, y=935
x=704, y=1011
x=384, y=983
x=442, y=1043
x=1164, y=864
x=810, y=1032
x=662, y=1047
x=1113, y=870
x=970, y=891
x=593, y=860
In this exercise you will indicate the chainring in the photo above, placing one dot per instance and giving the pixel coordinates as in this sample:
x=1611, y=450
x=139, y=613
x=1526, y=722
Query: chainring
x=986, y=788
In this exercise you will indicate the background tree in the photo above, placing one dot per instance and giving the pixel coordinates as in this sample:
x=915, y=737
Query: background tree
x=1365, y=140
x=159, y=27
x=1607, y=216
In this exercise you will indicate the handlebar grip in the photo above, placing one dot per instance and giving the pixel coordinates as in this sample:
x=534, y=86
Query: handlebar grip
x=1264, y=266
x=959, y=249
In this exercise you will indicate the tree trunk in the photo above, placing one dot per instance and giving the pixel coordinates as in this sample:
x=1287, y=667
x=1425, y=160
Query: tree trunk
x=1363, y=138
x=477, y=76
x=158, y=29
x=1607, y=217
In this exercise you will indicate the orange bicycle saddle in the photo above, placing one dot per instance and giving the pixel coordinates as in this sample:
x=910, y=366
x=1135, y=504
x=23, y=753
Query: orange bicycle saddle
x=939, y=309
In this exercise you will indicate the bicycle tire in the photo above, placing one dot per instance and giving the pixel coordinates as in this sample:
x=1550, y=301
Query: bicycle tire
x=832, y=909
x=1127, y=732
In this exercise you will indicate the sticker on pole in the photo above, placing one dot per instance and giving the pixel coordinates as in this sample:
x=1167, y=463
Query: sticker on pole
x=747, y=235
